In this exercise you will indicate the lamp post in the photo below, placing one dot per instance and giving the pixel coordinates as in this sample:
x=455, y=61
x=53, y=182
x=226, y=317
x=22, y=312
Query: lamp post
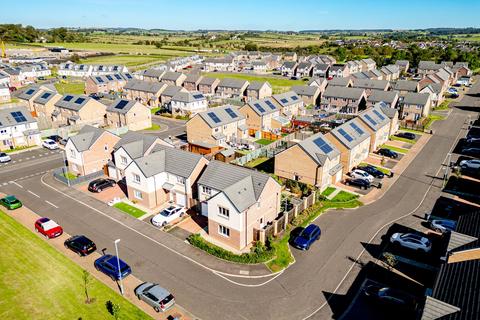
x=65, y=170
x=447, y=165
x=118, y=266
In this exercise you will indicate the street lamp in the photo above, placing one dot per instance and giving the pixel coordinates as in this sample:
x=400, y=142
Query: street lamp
x=447, y=165
x=118, y=266
x=65, y=170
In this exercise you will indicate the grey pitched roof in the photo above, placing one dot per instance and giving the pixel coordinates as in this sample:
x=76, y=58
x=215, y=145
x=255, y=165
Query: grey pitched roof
x=416, y=98
x=103, y=79
x=306, y=90
x=172, y=76
x=389, y=112
x=339, y=81
x=146, y=86
x=257, y=85
x=222, y=115
x=29, y=92
x=405, y=85
x=208, y=81
x=188, y=97
x=356, y=137
x=435, y=309
x=314, y=147
x=154, y=73
x=167, y=159
x=368, y=61
x=321, y=66
x=44, y=97
x=193, y=78
x=73, y=102
x=380, y=95
x=263, y=106
x=371, y=84
x=232, y=83
x=171, y=91
x=86, y=137
x=121, y=106
x=242, y=186
x=135, y=144
x=305, y=65
x=7, y=119
x=343, y=92
x=289, y=64
x=374, y=118
x=403, y=63
x=458, y=240
x=287, y=98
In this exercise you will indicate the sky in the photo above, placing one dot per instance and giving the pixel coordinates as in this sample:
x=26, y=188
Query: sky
x=291, y=15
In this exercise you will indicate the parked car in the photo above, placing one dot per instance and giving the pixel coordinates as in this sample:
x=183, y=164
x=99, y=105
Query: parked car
x=50, y=144
x=4, y=157
x=108, y=264
x=387, y=153
x=443, y=226
x=473, y=152
x=308, y=236
x=98, y=185
x=412, y=241
x=168, y=215
x=55, y=138
x=49, y=228
x=406, y=135
x=389, y=296
x=360, y=174
x=472, y=139
x=154, y=295
x=372, y=170
x=10, y=202
x=470, y=164
x=81, y=245
x=358, y=182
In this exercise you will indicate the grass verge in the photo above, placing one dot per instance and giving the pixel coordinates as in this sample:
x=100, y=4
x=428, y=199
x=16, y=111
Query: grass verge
x=70, y=87
x=38, y=282
x=443, y=106
x=395, y=138
x=256, y=162
x=17, y=149
x=431, y=119
x=328, y=191
x=131, y=210
x=69, y=175
x=154, y=127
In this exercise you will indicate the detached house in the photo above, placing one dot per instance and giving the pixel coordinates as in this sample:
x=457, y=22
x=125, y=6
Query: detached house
x=18, y=129
x=208, y=85
x=415, y=106
x=263, y=115
x=377, y=124
x=339, y=70
x=232, y=88
x=344, y=100
x=237, y=201
x=289, y=68
x=145, y=92
x=309, y=94
x=90, y=150
x=173, y=78
x=321, y=70
x=304, y=69
x=192, y=82
x=128, y=113
x=314, y=161
x=76, y=110
x=353, y=141
x=390, y=98
x=259, y=90
x=291, y=104
x=188, y=103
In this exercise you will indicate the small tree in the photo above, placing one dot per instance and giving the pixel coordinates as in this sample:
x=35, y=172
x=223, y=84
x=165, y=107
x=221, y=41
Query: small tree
x=390, y=260
x=113, y=309
x=87, y=278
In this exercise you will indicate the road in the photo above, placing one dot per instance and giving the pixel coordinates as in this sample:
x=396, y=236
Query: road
x=297, y=293
x=168, y=127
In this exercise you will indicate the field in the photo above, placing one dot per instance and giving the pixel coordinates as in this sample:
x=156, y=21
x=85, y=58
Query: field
x=38, y=282
x=128, y=60
x=73, y=87
x=464, y=37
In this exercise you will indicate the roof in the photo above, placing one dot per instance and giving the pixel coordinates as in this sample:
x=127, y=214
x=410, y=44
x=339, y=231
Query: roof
x=257, y=85
x=319, y=147
x=102, y=79
x=86, y=137
x=374, y=118
x=172, y=76
x=321, y=66
x=403, y=63
x=339, y=81
x=389, y=112
x=73, y=102
x=15, y=116
x=242, y=186
x=263, y=106
x=167, y=159
x=343, y=92
x=306, y=90
x=29, y=92
x=232, y=83
x=435, y=309
x=146, y=86
x=121, y=106
x=193, y=77
x=289, y=64
x=405, y=85
x=416, y=98
x=44, y=97
x=287, y=98
x=154, y=73
x=467, y=231
x=219, y=116
x=371, y=84
x=368, y=61
x=135, y=144
x=188, y=97
x=348, y=135
x=208, y=81
x=380, y=95
x=171, y=91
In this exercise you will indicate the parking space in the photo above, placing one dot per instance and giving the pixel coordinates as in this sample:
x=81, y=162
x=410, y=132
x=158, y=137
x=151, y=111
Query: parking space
x=117, y=191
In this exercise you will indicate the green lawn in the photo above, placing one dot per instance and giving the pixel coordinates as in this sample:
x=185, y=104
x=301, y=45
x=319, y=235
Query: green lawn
x=395, y=138
x=431, y=119
x=154, y=127
x=328, y=191
x=70, y=176
x=38, y=282
x=264, y=142
x=444, y=105
x=153, y=110
x=256, y=162
x=283, y=256
x=129, y=60
x=65, y=87
x=131, y=210
x=344, y=196
x=396, y=149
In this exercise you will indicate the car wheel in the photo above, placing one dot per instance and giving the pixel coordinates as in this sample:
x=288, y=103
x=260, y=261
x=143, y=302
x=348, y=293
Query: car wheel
x=437, y=230
x=182, y=214
x=97, y=268
x=66, y=246
x=36, y=230
x=46, y=236
x=138, y=297
x=80, y=254
x=113, y=278
x=164, y=224
x=157, y=309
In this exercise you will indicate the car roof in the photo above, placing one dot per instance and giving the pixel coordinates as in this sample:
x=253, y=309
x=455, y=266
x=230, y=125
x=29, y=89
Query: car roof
x=112, y=260
x=10, y=198
x=310, y=228
x=159, y=292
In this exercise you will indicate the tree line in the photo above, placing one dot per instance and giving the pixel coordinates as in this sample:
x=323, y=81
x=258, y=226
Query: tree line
x=29, y=34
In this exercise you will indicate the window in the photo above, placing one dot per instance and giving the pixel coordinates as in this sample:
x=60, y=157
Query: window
x=138, y=194
x=223, y=212
x=72, y=153
x=136, y=178
x=206, y=190
x=224, y=231
x=123, y=160
x=181, y=180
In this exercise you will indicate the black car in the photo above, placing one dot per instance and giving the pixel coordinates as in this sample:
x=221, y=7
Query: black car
x=389, y=297
x=358, y=182
x=372, y=171
x=406, y=135
x=55, y=138
x=473, y=152
x=387, y=153
x=99, y=185
x=81, y=245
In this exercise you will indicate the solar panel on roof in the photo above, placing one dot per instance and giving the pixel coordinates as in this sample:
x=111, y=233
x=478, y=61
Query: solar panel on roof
x=230, y=112
x=109, y=77
x=370, y=119
x=356, y=128
x=198, y=96
x=46, y=95
x=18, y=116
x=270, y=104
x=379, y=115
x=115, y=68
x=214, y=117
x=99, y=79
x=294, y=98
x=79, y=100
x=284, y=100
x=30, y=91
x=121, y=104
x=68, y=98
x=118, y=76
x=128, y=75
x=259, y=107
x=323, y=145
x=81, y=67
x=345, y=135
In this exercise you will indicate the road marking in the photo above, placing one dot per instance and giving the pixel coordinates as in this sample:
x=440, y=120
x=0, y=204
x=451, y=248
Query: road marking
x=36, y=195
x=18, y=185
x=51, y=204
x=5, y=183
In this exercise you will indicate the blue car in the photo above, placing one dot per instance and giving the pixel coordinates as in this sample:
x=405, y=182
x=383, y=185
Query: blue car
x=108, y=264
x=308, y=236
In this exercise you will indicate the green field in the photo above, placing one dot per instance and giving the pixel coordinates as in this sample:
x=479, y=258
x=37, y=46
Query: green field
x=278, y=84
x=72, y=87
x=38, y=282
x=129, y=60
x=120, y=48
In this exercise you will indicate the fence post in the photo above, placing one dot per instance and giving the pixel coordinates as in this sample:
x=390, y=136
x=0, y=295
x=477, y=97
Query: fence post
x=314, y=194
x=285, y=223
x=305, y=203
x=275, y=227
x=295, y=212
x=261, y=236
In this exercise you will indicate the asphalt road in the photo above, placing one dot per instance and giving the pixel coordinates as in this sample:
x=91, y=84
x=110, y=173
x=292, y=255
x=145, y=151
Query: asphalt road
x=297, y=293
x=168, y=127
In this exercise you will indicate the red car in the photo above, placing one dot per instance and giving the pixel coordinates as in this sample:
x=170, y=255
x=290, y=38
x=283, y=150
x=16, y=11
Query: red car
x=49, y=228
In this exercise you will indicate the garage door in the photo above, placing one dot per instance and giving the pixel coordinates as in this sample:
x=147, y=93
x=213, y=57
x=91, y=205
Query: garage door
x=180, y=199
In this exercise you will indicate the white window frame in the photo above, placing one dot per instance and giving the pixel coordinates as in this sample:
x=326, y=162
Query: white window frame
x=138, y=194
x=224, y=231
x=123, y=160
x=136, y=178
x=224, y=212
x=181, y=180
x=206, y=190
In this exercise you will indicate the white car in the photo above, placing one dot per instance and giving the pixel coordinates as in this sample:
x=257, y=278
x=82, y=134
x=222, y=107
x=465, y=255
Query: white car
x=50, y=144
x=470, y=164
x=360, y=174
x=168, y=215
x=4, y=157
x=412, y=241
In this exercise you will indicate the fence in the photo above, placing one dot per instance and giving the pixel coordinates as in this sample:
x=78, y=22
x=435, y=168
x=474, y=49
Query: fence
x=412, y=125
x=60, y=175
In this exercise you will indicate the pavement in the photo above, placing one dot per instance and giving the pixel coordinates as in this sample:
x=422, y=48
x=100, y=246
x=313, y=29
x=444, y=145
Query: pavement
x=199, y=282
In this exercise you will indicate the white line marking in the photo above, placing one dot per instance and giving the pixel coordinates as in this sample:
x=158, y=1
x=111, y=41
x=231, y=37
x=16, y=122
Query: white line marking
x=18, y=185
x=51, y=204
x=36, y=195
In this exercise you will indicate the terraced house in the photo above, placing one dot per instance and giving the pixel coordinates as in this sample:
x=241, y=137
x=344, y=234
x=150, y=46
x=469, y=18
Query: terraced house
x=18, y=129
x=77, y=110
x=192, y=82
x=237, y=201
x=309, y=94
x=377, y=125
x=259, y=90
x=208, y=85
x=390, y=98
x=263, y=115
x=368, y=85
x=107, y=83
x=128, y=113
x=344, y=100
x=314, y=161
x=153, y=75
x=232, y=88
x=290, y=103
x=219, y=64
x=173, y=78
x=145, y=92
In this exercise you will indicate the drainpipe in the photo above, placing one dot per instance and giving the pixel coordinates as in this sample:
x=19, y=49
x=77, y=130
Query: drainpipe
x=155, y=187
x=316, y=173
x=246, y=230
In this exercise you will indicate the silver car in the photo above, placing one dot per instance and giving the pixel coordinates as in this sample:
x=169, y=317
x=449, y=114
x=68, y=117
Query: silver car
x=4, y=157
x=154, y=295
x=412, y=241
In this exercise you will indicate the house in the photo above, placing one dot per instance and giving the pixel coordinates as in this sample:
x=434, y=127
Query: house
x=153, y=75
x=219, y=64
x=43, y=107
x=462, y=69
x=289, y=68
x=76, y=110
x=170, y=91
x=31, y=72
x=392, y=114
x=368, y=64
x=340, y=82
x=4, y=93
x=173, y=78
x=415, y=106
x=377, y=125
x=314, y=161
x=370, y=85
x=319, y=82
x=28, y=95
x=145, y=92
x=232, y=88
x=208, y=85
x=321, y=70
x=405, y=86
x=188, y=103
x=436, y=92
x=128, y=113
x=70, y=69
x=290, y=56
x=192, y=81
x=390, y=98
x=309, y=94
x=90, y=150
x=353, y=141
x=339, y=70
x=165, y=175
x=263, y=115
x=259, y=67
x=344, y=100
x=258, y=90
x=108, y=69
x=107, y=83
x=217, y=126
x=304, y=69
x=15, y=78
x=354, y=66
x=375, y=74
x=237, y=201
x=18, y=129
x=291, y=104
x=403, y=65
x=390, y=72
x=425, y=67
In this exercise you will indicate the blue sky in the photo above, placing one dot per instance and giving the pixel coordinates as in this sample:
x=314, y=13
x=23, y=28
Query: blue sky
x=247, y=14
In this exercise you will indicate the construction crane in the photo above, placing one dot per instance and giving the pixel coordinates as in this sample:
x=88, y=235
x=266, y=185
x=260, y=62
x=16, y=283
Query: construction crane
x=4, y=51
